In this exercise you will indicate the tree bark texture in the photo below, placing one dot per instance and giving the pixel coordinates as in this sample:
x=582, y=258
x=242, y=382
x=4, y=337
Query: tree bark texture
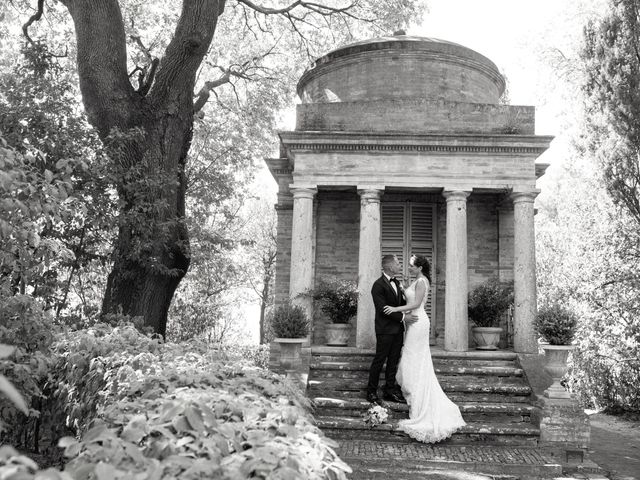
x=148, y=137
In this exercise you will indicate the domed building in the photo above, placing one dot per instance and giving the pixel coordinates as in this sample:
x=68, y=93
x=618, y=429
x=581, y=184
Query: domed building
x=402, y=146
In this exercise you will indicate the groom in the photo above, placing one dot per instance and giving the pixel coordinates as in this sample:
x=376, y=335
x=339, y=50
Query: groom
x=389, y=331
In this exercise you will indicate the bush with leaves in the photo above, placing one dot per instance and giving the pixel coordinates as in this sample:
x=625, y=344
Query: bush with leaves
x=556, y=324
x=167, y=411
x=256, y=355
x=56, y=201
x=30, y=331
x=338, y=299
x=289, y=321
x=488, y=301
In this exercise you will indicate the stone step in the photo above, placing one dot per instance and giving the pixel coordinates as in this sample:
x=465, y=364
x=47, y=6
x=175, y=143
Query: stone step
x=358, y=376
x=331, y=368
x=469, y=362
x=447, y=383
x=456, y=397
x=343, y=428
x=436, y=353
x=471, y=412
x=375, y=460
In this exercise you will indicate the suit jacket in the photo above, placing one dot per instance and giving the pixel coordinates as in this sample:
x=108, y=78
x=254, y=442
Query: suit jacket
x=384, y=294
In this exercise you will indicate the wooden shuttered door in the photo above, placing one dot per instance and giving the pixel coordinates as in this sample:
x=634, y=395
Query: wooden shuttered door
x=409, y=229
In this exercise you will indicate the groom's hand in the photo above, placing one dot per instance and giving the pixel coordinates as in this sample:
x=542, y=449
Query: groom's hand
x=409, y=319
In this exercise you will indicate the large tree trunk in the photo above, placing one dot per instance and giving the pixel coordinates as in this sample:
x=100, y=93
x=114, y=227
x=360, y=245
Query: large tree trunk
x=148, y=137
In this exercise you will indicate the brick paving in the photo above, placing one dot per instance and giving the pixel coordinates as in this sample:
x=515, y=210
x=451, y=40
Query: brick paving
x=451, y=453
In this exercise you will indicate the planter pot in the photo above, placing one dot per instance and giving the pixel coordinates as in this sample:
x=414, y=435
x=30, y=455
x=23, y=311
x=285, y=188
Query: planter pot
x=338, y=334
x=290, y=349
x=555, y=357
x=486, y=338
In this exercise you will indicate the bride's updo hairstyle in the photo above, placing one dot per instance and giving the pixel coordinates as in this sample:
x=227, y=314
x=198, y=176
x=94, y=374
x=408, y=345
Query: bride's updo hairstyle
x=420, y=261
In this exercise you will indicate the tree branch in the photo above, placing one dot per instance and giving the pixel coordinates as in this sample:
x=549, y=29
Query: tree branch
x=109, y=98
x=315, y=7
x=184, y=54
x=143, y=48
x=34, y=18
x=242, y=71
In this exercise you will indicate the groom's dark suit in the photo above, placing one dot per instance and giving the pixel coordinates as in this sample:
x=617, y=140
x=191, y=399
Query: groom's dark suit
x=389, y=335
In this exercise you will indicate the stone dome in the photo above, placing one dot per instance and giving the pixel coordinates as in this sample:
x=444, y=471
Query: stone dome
x=402, y=67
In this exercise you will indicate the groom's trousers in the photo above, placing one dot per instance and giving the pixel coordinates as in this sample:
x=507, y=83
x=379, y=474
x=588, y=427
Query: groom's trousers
x=388, y=347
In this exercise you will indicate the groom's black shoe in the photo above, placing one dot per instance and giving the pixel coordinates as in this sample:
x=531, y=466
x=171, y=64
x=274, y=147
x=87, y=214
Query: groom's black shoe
x=394, y=397
x=372, y=397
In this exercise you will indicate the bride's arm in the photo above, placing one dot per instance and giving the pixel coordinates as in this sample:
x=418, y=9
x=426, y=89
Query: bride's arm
x=421, y=290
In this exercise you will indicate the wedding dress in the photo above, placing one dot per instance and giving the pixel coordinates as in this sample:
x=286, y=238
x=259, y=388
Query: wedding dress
x=432, y=416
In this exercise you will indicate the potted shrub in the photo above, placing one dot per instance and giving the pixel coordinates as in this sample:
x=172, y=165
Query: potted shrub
x=290, y=327
x=556, y=325
x=487, y=303
x=338, y=300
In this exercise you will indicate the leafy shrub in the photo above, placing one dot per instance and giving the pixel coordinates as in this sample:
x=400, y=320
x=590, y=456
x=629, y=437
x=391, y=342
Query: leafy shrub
x=255, y=355
x=605, y=369
x=488, y=301
x=179, y=411
x=30, y=331
x=556, y=324
x=7, y=388
x=338, y=299
x=290, y=321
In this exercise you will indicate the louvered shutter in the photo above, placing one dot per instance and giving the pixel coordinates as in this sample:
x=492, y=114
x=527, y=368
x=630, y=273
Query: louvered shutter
x=421, y=242
x=409, y=228
x=393, y=228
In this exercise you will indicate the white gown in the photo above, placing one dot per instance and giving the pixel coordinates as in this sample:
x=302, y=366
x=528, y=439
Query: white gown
x=432, y=416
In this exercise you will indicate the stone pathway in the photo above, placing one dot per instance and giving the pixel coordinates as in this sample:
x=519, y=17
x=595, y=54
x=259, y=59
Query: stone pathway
x=615, y=445
x=373, y=460
x=446, y=453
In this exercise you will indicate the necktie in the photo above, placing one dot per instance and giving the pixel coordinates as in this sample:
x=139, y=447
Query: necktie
x=397, y=284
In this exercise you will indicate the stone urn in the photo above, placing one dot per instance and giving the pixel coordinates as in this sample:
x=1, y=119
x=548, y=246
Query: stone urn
x=338, y=334
x=486, y=338
x=290, y=352
x=556, y=366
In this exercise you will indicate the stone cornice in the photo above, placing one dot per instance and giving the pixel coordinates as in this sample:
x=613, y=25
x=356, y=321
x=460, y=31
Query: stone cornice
x=541, y=169
x=460, y=143
x=279, y=166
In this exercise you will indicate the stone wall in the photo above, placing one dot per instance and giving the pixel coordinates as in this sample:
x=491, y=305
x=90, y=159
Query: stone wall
x=283, y=257
x=417, y=115
x=337, y=238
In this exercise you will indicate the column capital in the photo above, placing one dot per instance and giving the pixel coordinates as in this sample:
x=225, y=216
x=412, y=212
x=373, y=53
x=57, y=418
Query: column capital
x=302, y=192
x=524, y=197
x=370, y=193
x=454, y=195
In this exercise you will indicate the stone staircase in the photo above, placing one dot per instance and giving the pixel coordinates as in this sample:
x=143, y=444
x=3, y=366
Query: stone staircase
x=489, y=387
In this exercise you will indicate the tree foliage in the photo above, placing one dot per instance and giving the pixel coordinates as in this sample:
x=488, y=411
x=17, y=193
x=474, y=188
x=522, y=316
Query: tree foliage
x=608, y=365
x=58, y=209
x=150, y=72
x=612, y=87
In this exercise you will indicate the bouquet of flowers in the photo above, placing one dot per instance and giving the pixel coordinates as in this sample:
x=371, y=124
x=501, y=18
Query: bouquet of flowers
x=376, y=415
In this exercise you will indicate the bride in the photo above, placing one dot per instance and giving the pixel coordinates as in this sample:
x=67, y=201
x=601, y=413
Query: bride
x=432, y=416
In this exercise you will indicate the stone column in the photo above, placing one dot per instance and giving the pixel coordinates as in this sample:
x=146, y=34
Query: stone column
x=301, y=277
x=456, y=330
x=524, y=273
x=369, y=265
